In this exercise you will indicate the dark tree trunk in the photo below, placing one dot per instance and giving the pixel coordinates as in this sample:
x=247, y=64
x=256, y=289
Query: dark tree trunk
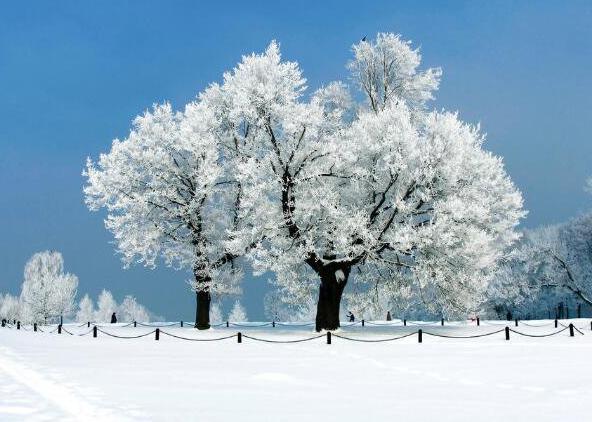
x=202, y=310
x=330, y=292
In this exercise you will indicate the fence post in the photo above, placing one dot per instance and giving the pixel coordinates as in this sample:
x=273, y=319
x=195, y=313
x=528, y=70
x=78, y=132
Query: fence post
x=181, y=324
x=239, y=337
x=571, y=330
x=590, y=325
x=18, y=325
x=419, y=335
x=135, y=324
x=88, y=324
x=405, y=322
x=362, y=323
x=516, y=322
x=4, y=323
x=157, y=334
x=59, y=328
x=95, y=331
x=273, y=323
x=35, y=327
x=227, y=325
x=328, y=337
x=442, y=322
x=478, y=322
x=555, y=322
x=507, y=333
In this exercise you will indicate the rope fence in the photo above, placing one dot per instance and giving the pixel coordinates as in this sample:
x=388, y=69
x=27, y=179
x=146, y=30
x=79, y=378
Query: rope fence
x=328, y=335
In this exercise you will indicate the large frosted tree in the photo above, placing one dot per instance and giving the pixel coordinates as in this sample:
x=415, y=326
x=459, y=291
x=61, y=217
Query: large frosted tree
x=47, y=291
x=169, y=195
x=385, y=191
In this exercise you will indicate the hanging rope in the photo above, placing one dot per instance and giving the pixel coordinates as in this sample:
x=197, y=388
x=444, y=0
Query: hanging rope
x=283, y=341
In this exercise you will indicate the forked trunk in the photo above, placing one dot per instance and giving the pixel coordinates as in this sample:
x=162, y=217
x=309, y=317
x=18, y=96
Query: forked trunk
x=202, y=310
x=330, y=291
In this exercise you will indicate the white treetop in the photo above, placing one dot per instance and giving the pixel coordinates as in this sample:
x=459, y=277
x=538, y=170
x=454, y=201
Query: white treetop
x=238, y=313
x=86, y=310
x=130, y=310
x=400, y=195
x=106, y=305
x=47, y=291
x=216, y=315
x=386, y=69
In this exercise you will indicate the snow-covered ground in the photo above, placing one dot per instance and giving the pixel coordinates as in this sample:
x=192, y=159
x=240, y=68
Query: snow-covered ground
x=47, y=376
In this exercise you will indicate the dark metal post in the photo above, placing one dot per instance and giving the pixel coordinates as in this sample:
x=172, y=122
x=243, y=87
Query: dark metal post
x=88, y=324
x=4, y=323
x=419, y=335
x=239, y=337
x=18, y=325
x=442, y=322
x=405, y=322
x=516, y=322
x=555, y=322
x=135, y=324
x=507, y=333
x=227, y=325
x=95, y=331
x=181, y=324
x=362, y=323
x=328, y=337
x=157, y=334
x=59, y=328
x=478, y=322
x=571, y=330
x=35, y=327
x=273, y=323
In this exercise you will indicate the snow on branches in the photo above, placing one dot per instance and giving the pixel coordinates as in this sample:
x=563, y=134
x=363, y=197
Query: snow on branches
x=395, y=193
x=316, y=189
x=47, y=291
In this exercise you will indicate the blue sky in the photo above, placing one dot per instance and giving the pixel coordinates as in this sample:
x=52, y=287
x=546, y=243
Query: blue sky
x=74, y=74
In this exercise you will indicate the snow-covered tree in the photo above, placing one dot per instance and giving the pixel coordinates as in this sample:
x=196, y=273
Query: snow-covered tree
x=275, y=308
x=9, y=307
x=106, y=305
x=130, y=310
x=170, y=193
x=216, y=313
x=391, y=194
x=47, y=291
x=238, y=313
x=86, y=310
x=560, y=257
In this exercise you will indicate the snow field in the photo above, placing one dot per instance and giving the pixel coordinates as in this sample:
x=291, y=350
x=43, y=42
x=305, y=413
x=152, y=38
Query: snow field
x=69, y=377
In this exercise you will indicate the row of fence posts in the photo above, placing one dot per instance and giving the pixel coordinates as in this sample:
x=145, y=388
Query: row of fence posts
x=239, y=334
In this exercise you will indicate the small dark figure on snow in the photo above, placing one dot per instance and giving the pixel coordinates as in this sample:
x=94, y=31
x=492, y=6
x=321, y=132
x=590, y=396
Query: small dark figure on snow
x=388, y=316
x=351, y=317
x=113, y=319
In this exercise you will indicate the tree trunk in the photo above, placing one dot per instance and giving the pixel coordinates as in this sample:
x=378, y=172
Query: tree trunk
x=202, y=310
x=330, y=292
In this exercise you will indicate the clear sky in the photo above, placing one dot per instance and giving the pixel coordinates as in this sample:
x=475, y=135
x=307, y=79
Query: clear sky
x=74, y=74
